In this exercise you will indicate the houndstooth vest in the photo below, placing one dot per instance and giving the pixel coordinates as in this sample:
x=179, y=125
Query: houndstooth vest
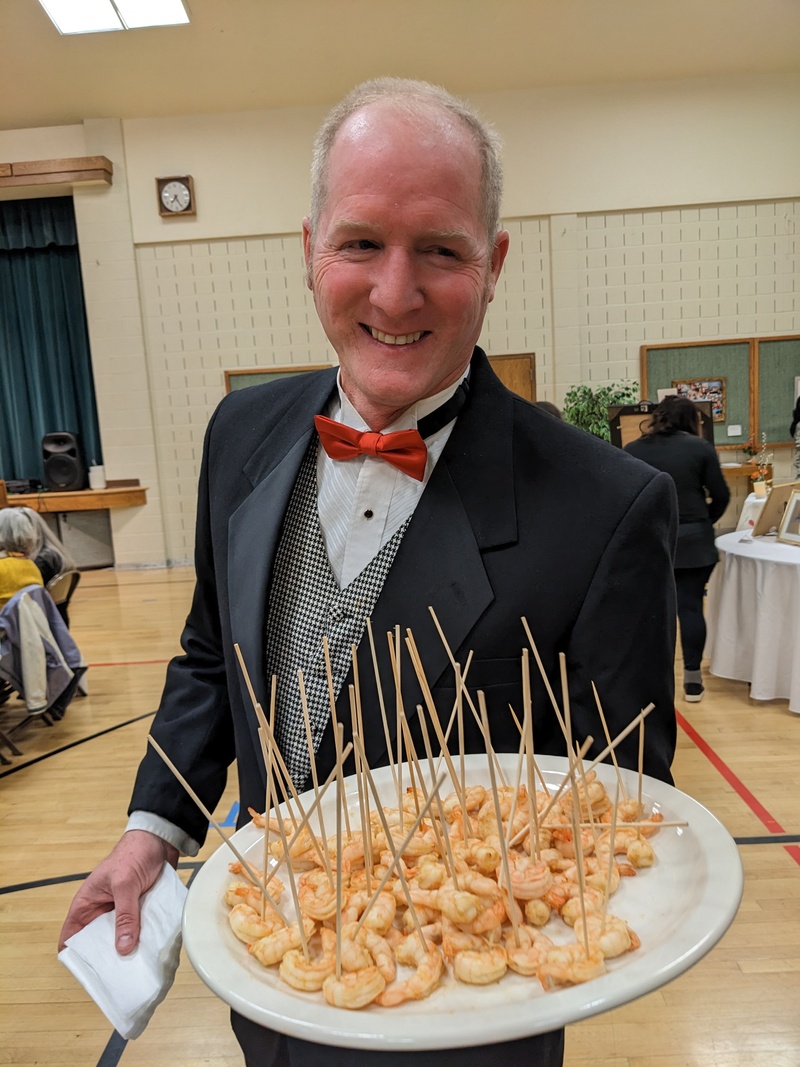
x=305, y=605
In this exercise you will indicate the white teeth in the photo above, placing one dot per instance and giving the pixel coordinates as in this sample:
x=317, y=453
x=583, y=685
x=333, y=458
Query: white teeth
x=390, y=339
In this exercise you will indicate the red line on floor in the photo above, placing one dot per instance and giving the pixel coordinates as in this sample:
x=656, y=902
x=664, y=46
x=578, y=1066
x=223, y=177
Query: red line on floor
x=737, y=784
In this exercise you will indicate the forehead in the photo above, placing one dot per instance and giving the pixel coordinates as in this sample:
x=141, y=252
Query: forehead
x=384, y=153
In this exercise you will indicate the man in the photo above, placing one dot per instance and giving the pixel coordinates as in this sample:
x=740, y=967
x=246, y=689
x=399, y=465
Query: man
x=511, y=514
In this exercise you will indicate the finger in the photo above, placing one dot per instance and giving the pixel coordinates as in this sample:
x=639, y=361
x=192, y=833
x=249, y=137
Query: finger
x=127, y=926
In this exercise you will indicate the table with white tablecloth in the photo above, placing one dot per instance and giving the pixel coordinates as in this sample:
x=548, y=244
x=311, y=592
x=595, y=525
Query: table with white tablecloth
x=753, y=616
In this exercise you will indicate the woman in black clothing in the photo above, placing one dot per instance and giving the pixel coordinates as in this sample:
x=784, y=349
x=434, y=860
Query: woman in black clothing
x=673, y=444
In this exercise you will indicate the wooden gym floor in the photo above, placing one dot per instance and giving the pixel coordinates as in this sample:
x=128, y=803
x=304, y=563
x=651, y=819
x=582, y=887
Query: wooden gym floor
x=63, y=807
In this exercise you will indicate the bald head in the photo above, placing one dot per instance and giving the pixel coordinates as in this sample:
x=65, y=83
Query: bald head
x=427, y=105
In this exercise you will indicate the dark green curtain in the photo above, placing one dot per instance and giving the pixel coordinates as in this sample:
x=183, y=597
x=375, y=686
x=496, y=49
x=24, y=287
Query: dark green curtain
x=46, y=381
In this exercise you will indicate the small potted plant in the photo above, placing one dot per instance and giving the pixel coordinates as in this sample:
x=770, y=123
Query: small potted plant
x=761, y=475
x=587, y=406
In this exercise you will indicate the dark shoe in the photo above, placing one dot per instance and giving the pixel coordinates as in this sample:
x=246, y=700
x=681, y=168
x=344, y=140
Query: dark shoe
x=693, y=692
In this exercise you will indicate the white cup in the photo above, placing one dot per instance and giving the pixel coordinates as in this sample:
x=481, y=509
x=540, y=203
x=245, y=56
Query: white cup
x=97, y=477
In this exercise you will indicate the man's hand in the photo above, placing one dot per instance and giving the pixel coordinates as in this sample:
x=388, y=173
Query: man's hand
x=119, y=882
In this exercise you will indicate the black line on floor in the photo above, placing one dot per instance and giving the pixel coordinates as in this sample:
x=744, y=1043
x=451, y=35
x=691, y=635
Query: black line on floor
x=73, y=744
x=112, y=1053
x=769, y=839
x=185, y=865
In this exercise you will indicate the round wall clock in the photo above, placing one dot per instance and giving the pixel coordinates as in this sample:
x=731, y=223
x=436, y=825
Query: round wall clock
x=175, y=196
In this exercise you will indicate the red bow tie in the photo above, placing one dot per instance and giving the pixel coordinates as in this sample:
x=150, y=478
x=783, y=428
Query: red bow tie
x=404, y=449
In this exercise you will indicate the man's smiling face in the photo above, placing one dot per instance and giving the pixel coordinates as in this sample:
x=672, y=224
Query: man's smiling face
x=400, y=264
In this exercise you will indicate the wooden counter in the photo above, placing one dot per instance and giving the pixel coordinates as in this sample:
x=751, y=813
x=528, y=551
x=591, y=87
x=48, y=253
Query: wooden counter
x=128, y=496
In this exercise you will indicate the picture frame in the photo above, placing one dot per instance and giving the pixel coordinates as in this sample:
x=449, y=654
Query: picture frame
x=789, y=529
x=711, y=389
x=242, y=377
x=772, y=512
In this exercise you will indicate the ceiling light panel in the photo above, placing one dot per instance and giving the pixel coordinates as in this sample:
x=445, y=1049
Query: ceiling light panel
x=82, y=16
x=96, y=16
x=137, y=13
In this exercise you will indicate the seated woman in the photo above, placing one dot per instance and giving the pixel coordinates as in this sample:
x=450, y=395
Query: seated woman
x=19, y=542
x=51, y=557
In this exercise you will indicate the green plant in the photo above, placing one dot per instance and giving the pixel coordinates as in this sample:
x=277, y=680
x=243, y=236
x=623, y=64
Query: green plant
x=587, y=406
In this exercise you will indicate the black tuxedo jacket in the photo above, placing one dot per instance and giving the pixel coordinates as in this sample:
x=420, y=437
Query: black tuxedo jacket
x=522, y=516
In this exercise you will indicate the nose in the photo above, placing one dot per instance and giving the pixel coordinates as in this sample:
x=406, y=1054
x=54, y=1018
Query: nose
x=396, y=285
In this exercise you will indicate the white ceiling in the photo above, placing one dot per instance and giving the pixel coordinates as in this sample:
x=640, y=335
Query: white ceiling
x=253, y=54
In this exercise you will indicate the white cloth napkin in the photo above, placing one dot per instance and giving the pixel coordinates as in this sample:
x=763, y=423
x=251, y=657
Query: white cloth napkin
x=128, y=989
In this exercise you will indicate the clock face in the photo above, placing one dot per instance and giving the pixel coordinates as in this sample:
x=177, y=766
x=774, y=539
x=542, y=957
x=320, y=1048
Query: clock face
x=175, y=196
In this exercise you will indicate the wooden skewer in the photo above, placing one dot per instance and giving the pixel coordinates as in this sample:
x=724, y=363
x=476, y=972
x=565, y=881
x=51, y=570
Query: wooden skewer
x=394, y=655
x=562, y=665
x=576, y=838
x=268, y=797
x=397, y=853
x=571, y=763
x=313, y=760
x=265, y=747
x=381, y=702
x=366, y=836
x=527, y=731
x=315, y=804
x=464, y=689
x=461, y=687
x=337, y=736
x=610, y=856
x=608, y=738
x=512, y=908
x=339, y=799
x=641, y=767
x=366, y=829
x=546, y=680
x=443, y=838
x=254, y=878
x=666, y=824
x=434, y=717
x=620, y=736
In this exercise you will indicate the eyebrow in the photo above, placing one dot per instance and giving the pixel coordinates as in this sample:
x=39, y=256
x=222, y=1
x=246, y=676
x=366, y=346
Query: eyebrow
x=344, y=225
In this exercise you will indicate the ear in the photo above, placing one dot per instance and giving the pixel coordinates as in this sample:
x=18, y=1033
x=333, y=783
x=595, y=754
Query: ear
x=308, y=243
x=499, y=253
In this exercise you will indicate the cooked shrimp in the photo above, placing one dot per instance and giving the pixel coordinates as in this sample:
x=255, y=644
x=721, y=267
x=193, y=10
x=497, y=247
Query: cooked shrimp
x=457, y=905
x=480, y=968
x=527, y=956
x=455, y=940
x=529, y=880
x=537, y=912
x=354, y=953
x=639, y=853
x=381, y=952
x=429, y=965
x=569, y=965
x=248, y=925
x=271, y=949
x=306, y=975
x=593, y=901
x=354, y=990
x=316, y=895
x=611, y=935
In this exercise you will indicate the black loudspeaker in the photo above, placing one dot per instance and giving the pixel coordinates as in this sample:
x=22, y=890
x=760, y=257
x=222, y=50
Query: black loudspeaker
x=64, y=468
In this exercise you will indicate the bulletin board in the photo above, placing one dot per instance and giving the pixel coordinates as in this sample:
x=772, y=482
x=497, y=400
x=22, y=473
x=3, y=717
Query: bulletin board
x=243, y=377
x=778, y=366
x=725, y=365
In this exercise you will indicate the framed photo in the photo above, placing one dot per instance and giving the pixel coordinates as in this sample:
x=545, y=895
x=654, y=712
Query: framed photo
x=789, y=530
x=240, y=379
x=711, y=389
x=774, y=507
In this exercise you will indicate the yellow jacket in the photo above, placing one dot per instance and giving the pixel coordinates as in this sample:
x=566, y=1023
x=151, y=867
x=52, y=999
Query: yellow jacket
x=15, y=573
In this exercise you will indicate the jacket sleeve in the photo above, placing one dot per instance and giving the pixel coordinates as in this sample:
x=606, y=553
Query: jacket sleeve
x=716, y=486
x=624, y=638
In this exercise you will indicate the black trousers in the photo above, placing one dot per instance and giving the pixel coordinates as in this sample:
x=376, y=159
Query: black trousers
x=265, y=1048
x=690, y=586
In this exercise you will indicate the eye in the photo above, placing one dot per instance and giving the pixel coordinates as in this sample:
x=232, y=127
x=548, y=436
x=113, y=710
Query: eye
x=442, y=251
x=364, y=244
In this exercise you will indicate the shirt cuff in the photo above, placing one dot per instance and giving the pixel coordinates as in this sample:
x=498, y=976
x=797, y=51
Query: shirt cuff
x=167, y=831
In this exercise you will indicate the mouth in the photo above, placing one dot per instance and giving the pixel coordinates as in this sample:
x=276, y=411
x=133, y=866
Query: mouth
x=395, y=339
